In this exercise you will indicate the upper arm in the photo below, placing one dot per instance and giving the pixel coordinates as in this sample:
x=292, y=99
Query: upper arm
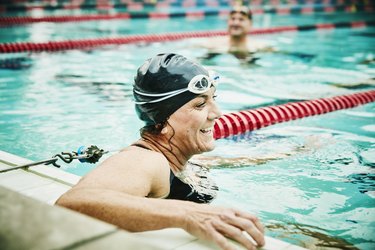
x=135, y=172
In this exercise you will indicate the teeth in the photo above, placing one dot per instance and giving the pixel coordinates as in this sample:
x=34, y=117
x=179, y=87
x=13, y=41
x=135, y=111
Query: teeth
x=207, y=130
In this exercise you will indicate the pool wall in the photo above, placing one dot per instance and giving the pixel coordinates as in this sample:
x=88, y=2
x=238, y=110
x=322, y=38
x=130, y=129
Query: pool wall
x=28, y=219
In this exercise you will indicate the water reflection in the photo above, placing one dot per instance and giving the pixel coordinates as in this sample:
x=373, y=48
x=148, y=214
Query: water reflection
x=308, y=236
x=110, y=91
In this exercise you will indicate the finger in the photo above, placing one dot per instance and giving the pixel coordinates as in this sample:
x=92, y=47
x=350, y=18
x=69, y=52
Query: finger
x=251, y=217
x=250, y=228
x=234, y=233
x=219, y=239
x=248, y=223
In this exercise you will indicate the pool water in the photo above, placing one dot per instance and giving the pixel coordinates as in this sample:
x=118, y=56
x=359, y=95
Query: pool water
x=44, y=32
x=311, y=181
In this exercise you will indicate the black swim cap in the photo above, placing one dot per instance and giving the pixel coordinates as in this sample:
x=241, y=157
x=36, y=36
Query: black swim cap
x=161, y=74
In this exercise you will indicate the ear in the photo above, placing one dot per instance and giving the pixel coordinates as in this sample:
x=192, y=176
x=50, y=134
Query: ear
x=164, y=130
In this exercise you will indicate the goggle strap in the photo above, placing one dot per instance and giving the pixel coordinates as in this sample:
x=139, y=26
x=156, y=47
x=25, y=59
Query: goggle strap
x=160, y=94
x=212, y=80
x=177, y=92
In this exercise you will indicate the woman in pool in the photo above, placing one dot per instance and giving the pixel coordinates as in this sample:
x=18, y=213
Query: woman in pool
x=151, y=184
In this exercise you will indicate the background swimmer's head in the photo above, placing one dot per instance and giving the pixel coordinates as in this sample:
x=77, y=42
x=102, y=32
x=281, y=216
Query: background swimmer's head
x=239, y=21
x=159, y=77
x=244, y=10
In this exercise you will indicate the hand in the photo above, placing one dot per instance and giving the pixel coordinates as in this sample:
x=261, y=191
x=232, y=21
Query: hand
x=215, y=223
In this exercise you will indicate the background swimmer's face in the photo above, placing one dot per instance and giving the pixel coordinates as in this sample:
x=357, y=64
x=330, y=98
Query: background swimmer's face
x=238, y=24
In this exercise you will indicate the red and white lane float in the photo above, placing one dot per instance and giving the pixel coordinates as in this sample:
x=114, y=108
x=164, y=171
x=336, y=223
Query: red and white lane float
x=248, y=120
x=97, y=42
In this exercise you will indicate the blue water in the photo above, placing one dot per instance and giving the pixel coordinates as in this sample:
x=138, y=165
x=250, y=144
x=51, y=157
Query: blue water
x=311, y=181
x=44, y=32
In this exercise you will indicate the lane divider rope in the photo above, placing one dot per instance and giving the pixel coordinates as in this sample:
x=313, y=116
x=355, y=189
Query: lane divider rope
x=17, y=20
x=248, y=120
x=234, y=123
x=95, y=42
x=136, y=5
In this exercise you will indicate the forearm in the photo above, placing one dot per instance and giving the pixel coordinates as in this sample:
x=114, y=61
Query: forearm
x=137, y=214
x=126, y=211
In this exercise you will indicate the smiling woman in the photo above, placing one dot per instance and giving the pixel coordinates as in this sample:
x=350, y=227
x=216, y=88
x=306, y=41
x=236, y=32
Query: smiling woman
x=175, y=98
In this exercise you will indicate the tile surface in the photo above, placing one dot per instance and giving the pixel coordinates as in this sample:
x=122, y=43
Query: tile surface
x=20, y=180
x=29, y=224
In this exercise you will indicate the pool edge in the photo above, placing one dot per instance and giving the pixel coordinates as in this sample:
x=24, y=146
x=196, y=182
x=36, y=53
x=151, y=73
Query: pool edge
x=46, y=184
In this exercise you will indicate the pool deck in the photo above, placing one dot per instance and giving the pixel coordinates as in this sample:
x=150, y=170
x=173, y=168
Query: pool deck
x=29, y=221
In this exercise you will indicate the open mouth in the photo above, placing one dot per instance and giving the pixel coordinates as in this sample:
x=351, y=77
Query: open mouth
x=235, y=27
x=207, y=131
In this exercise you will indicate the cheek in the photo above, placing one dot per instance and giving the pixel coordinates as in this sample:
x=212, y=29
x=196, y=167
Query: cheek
x=247, y=25
x=182, y=125
x=188, y=121
x=185, y=121
x=231, y=22
x=191, y=126
x=188, y=127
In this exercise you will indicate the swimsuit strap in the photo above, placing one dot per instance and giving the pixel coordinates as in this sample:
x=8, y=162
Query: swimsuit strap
x=136, y=144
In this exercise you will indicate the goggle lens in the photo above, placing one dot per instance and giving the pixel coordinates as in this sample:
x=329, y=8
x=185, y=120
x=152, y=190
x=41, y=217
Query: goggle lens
x=202, y=83
x=199, y=84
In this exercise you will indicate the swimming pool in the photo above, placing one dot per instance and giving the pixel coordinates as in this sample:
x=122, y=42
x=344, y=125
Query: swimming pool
x=313, y=183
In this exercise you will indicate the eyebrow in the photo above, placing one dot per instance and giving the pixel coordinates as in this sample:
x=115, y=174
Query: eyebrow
x=205, y=96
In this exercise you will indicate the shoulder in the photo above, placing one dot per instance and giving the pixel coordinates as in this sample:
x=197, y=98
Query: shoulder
x=133, y=170
x=137, y=159
x=215, y=44
x=139, y=155
x=255, y=44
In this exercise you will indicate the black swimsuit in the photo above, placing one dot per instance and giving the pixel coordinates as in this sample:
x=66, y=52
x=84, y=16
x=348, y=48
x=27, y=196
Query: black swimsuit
x=182, y=191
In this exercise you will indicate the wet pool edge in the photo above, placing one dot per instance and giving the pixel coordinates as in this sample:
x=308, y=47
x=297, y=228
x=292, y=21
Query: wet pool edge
x=28, y=217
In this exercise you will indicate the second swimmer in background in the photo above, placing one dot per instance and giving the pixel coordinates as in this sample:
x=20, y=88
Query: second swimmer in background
x=238, y=42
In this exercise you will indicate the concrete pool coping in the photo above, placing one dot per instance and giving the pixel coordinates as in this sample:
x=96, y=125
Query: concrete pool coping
x=28, y=219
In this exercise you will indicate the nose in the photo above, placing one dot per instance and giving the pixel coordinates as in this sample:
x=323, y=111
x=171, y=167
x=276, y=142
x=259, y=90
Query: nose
x=235, y=21
x=215, y=112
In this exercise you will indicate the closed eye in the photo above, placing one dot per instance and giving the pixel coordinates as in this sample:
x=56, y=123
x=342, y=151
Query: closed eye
x=204, y=99
x=201, y=104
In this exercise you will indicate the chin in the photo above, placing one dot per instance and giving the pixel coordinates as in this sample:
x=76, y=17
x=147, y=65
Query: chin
x=236, y=33
x=208, y=147
x=211, y=148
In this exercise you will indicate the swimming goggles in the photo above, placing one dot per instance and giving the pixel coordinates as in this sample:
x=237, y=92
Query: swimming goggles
x=243, y=10
x=197, y=85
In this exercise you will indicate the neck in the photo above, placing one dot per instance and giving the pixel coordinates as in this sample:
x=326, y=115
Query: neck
x=176, y=157
x=238, y=43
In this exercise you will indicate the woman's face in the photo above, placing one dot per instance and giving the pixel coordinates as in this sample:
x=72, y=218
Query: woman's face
x=193, y=124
